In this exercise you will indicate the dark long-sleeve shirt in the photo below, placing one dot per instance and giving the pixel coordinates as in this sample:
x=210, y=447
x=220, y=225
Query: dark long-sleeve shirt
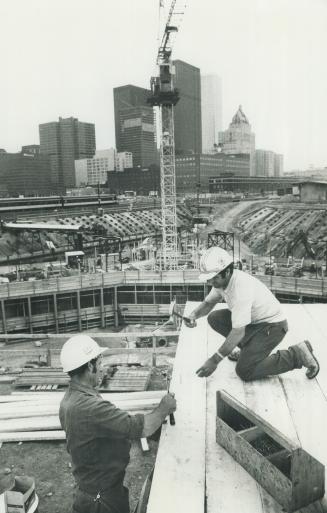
x=98, y=437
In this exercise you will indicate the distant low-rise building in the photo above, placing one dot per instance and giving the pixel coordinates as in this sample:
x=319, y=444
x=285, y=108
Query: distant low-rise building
x=251, y=185
x=319, y=173
x=124, y=160
x=25, y=174
x=142, y=181
x=312, y=191
x=268, y=163
x=193, y=171
x=31, y=149
x=95, y=170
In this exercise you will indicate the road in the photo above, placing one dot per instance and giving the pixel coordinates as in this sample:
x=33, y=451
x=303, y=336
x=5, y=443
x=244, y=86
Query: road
x=224, y=220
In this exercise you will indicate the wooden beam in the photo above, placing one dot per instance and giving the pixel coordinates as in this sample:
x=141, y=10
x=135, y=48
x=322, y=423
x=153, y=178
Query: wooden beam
x=32, y=436
x=120, y=334
x=229, y=488
x=179, y=476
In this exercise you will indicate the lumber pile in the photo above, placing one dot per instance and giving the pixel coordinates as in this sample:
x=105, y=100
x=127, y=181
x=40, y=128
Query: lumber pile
x=44, y=377
x=126, y=379
x=33, y=416
x=51, y=378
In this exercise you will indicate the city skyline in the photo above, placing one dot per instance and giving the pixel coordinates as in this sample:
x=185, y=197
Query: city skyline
x=269, y=56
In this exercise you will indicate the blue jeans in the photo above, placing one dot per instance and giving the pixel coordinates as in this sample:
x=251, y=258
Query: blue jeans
x=255, y=360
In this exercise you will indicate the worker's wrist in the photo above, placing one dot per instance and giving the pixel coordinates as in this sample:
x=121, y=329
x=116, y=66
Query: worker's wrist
x=218, y=357
x=161, y=411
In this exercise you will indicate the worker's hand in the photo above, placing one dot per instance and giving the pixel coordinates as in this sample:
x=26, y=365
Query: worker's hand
x=168, y=404
x=208, y=367
x=190, y=321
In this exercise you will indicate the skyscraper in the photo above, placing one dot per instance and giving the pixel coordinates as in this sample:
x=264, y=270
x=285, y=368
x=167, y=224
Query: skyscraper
x=239, y=138
x=135, y=124
x=211, y=111
x=65, y=141
x=187, y=112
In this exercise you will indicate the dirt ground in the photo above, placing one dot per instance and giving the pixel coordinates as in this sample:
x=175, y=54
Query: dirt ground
x=49, y=464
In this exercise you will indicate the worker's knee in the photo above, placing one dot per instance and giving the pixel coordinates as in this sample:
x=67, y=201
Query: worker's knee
x=244, y=373
x=212, y=321
x=220, y=321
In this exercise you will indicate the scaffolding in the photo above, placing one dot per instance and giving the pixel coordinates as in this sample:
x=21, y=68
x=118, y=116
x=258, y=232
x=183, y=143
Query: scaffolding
x=222, y=239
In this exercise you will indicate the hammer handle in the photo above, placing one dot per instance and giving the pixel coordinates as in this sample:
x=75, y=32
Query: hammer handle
x=171, y=415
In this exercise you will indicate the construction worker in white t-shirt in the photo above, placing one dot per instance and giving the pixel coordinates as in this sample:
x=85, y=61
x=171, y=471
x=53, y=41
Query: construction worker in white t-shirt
x=253, y=322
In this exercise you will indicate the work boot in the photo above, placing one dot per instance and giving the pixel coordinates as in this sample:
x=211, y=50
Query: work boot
x=306, y=357
x=234, y=355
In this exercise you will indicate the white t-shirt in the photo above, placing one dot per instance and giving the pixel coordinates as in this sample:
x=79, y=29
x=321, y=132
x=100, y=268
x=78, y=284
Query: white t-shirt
x=249, y=300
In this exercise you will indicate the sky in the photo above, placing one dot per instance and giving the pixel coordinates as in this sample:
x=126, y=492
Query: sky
x=64, y=57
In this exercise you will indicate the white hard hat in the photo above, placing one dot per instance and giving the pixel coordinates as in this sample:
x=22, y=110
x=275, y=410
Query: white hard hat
x=79, y=350
x=212, y=262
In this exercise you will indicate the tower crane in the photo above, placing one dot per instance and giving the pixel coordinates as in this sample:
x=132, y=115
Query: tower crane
x=165, y=96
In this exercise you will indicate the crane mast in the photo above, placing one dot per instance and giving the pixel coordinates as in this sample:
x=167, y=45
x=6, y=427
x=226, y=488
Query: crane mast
x=165, y=96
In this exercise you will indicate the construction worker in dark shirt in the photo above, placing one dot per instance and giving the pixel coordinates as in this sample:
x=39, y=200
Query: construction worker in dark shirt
x=98, y=433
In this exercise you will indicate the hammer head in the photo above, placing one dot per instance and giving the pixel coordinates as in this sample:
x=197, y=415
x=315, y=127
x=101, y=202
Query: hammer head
x=173, y=312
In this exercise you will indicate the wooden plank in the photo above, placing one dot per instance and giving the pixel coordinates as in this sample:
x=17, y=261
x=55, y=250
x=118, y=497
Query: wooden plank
x=248, y=413
x=229, y=488
x=52, y=409
x=32, y=436
x=109, y=396
x=316, y=325
x=40, y=423
x=179, y=475
x=305, y=398
x=51, y=422
x=118, y=334
x=269, y=400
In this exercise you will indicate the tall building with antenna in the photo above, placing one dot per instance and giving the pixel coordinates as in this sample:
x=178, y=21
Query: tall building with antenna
x=211, y=111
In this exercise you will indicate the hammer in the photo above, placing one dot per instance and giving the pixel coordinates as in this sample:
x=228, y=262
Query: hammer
x=173, y=313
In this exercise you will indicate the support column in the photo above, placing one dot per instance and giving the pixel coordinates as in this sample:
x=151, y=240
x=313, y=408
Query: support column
x=79, y=318
x=55, y=312
x=3, y=315
x=30, y=317
x=115, y=307
x=102, y=313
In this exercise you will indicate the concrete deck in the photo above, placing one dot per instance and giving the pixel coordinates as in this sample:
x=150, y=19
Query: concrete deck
x=193, y=473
